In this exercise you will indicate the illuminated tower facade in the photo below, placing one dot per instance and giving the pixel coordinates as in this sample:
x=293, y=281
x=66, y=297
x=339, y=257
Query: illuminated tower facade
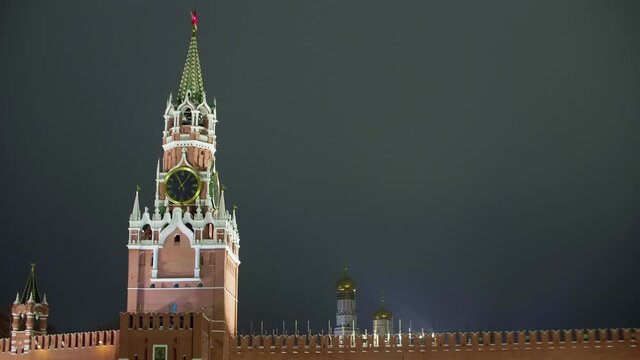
x=29, y=315
x=184, y=254
x=347, y=313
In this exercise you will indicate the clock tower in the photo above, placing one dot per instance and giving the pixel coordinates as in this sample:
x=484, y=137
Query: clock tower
x=184, y=254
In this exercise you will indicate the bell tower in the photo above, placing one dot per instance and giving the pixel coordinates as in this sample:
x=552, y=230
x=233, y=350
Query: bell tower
x=184, y=254
x=346, y=314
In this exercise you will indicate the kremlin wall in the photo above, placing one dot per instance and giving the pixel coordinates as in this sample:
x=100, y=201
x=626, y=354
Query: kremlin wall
x=182, y=285
x=191, y=342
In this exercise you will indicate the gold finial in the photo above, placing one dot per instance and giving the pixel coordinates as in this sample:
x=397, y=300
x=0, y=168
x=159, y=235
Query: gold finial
x=138, y=188
x=33, y=267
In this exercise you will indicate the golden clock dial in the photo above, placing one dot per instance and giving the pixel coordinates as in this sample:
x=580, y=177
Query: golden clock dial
x=182, y=185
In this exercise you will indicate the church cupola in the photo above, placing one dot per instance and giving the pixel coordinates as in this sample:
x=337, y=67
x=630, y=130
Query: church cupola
x=382, y=320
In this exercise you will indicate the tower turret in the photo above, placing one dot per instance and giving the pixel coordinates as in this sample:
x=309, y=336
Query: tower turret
x=30, y=314
x=347, y=314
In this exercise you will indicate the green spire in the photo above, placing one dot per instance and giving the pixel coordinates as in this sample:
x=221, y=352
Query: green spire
x=31, y=289
x=192, y=74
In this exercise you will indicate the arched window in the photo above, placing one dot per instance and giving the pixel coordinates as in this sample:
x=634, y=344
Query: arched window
x=151, y=260
x=201, y=120
x=146, y=232
x=176, y=240
x=199, y=284
x=176, y=285
x=208, y=231
x=153, y=286
x=186, y=117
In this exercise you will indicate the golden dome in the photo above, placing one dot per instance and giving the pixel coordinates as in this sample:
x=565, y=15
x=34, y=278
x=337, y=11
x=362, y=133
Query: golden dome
x=382, y=314
x=346, y=284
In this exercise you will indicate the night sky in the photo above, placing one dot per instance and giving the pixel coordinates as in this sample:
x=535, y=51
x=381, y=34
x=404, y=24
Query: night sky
x=475, y=161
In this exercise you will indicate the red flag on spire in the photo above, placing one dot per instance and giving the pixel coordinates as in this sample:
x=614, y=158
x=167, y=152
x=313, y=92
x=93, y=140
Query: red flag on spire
x=194, y=20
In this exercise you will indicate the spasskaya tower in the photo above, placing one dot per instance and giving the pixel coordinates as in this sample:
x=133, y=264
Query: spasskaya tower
x=184, y=254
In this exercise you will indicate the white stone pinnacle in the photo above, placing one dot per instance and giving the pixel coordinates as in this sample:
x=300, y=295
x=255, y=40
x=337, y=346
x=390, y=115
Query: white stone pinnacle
x=135, y=212
x=222, y=210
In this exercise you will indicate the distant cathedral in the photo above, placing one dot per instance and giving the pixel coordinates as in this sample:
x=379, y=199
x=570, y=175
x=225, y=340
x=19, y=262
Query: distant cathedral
x=182, y=286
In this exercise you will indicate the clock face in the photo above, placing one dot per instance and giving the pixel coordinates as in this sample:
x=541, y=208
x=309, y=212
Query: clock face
x=182, y=185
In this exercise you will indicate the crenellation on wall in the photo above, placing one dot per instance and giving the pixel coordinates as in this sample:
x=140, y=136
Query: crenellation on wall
x=439, y=342
x=99, y=345
x=75, y=340
x=159, y=321
x=183, y=333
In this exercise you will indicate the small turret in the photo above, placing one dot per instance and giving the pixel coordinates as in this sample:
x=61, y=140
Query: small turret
x=222, y=208
x=135, y=211
x=29, y=315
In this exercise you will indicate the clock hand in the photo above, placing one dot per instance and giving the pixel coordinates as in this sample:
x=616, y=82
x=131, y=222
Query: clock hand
x=187, y=178
x=181, y=182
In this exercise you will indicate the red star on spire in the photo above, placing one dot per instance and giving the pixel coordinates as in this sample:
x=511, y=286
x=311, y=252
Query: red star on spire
x=194, y=20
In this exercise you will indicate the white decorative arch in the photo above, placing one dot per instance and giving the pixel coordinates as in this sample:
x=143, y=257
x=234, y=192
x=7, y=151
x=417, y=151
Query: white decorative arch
x=176, y=223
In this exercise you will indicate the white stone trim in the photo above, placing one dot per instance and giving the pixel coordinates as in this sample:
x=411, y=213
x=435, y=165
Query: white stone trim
x=176, y=223
x=176, y=279
x=233, y=256
x=182, y=288
x=189, y=288
x=171, y=144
